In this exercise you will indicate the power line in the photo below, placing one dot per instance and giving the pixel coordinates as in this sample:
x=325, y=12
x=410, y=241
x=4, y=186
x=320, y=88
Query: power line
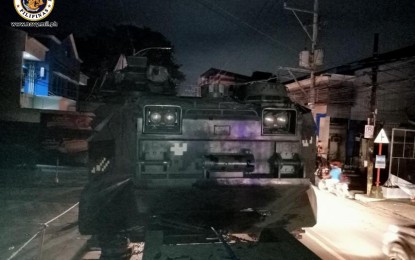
x=246, y=24
x=381, y=83
x=226, y=16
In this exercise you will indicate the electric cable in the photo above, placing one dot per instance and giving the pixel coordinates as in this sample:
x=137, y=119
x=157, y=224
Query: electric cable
x=227, y=14
x=44, y=226
x=362, y=89
x=246, y=24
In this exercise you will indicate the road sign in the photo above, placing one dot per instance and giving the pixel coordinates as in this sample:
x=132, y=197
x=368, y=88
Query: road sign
x=381, y=138
x=380, y=162
x=369, y=129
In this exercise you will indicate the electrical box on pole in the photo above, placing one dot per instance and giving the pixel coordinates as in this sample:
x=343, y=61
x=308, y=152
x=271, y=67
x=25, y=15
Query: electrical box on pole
x=318, y=57
x=306, y=60
x=315, y=57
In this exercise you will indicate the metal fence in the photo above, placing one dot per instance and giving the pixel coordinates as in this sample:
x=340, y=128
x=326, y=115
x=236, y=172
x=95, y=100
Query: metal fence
x=402, y=154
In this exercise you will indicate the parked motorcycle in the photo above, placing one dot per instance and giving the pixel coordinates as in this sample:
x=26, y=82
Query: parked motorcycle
x=340, y=188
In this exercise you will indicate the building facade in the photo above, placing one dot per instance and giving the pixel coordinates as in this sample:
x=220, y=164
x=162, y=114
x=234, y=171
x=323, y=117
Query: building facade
x=39, y=76
x=215, y=82
x=39, y=72
x=347, y=96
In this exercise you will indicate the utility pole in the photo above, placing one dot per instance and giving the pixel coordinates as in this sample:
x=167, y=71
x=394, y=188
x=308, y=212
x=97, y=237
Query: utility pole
x=312, y=61
x=312, y=96
x=373, y=112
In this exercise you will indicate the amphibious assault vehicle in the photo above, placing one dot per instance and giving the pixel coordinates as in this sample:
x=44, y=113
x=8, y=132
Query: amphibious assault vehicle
x=230, y=165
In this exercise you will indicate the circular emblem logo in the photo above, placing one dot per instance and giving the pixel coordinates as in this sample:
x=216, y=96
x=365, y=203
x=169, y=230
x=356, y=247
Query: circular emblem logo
x=34, y=10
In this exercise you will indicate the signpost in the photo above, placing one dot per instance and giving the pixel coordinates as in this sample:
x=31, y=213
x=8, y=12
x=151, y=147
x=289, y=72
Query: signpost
x=369, y=129
x=380, y=162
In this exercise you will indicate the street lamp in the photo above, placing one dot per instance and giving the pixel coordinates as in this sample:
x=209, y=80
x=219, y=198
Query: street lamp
x=140, y=52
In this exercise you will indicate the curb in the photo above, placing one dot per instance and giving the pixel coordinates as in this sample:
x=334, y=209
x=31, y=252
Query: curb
x=403, y=208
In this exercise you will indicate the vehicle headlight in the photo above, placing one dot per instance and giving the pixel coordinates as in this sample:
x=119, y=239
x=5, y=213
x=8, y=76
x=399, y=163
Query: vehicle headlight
x=162, y=119
x=169, y=117
x=391, y=235
x=281, y=120
x=155, y=117
x=393, y=228
x=269, y=119
x=278, y=121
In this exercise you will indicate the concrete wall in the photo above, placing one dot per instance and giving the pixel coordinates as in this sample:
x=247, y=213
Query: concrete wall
x=324, y=136
x=337, y=142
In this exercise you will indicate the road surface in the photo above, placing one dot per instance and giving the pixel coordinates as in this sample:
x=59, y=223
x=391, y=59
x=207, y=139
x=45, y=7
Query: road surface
x=23, y=214
x=348, y=229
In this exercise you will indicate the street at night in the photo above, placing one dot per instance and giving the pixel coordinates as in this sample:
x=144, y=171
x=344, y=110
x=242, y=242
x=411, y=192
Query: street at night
x=207, y=129
x=346, y=229
x=33, y=226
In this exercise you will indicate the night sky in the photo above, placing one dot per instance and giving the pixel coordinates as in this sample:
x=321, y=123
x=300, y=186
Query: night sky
x=243, y=36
